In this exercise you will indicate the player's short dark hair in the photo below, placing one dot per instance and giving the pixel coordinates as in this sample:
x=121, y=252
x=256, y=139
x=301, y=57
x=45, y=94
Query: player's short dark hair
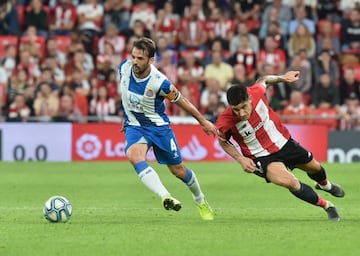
x=237, y=94
x=147, y=45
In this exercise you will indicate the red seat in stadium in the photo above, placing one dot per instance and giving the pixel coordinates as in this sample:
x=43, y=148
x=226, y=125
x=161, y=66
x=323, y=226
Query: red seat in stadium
x=7, y=40
x=327, y=117
x=63, y=43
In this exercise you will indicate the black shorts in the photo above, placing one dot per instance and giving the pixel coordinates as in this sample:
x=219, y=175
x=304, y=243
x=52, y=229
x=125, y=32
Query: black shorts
x=292, y=154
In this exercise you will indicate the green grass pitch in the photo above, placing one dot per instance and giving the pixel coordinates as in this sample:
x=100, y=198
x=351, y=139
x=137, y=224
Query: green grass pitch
x=114, y=214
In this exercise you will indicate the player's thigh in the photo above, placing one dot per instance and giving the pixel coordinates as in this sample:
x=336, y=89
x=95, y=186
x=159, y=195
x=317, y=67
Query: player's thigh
x=311, y=167
x=166, y=148
x=278, y=174
x=136, y=145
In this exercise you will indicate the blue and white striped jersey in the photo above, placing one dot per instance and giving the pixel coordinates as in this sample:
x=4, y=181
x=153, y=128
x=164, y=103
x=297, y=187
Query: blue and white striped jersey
x=143, y=99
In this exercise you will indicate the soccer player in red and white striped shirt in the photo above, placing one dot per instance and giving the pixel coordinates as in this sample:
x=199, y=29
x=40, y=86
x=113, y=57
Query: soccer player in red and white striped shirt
x=267, y=148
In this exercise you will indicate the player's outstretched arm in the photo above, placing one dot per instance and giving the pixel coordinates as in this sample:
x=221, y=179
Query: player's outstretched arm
x=208, y=127
x=288, y=77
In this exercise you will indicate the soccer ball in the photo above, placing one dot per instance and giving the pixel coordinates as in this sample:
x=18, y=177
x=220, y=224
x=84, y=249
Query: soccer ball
x=57, y=209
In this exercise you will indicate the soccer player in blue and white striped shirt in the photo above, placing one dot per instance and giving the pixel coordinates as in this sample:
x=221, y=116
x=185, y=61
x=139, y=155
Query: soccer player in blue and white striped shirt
x=143, y=89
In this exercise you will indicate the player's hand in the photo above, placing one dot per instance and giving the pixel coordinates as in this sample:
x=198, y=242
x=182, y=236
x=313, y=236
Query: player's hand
x=209, y=128
x=291, y=76
x=248, y=164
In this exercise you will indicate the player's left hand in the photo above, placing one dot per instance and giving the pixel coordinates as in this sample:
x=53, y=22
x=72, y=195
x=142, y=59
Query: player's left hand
x=291, y=76
x=209, y=128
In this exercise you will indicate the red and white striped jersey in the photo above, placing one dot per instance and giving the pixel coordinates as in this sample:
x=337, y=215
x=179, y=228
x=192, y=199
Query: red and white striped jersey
x=262, y=134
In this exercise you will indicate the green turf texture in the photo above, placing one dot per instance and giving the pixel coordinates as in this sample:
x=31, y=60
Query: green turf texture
x=114, y=214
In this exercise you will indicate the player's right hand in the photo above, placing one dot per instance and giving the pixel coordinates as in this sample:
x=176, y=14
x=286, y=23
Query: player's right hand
x=248, y=164
x=291, y=76
x=209, y=128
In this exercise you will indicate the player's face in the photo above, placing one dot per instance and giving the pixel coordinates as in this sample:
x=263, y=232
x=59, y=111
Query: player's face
x=141, y=62
x=243, y=110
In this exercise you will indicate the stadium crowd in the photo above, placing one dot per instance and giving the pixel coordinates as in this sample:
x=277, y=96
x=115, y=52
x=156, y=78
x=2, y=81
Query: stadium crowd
x=59, y=58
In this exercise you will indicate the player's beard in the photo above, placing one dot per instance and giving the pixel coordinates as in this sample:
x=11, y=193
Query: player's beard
x=139, y=72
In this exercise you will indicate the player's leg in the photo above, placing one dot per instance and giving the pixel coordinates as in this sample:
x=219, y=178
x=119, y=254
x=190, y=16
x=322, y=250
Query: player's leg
x=136, y=150
x=317, y=173
x=189, y=178
x=277, y=173
x=167, y=152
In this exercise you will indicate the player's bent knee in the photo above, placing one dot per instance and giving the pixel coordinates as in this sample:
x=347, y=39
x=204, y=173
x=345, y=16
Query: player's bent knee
x=178, y=170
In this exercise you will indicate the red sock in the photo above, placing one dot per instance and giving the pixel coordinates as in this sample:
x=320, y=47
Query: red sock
x=321, y=202
x=324, y=182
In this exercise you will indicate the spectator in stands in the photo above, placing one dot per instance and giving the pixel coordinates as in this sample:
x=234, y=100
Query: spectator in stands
x=240, y=76
x=220, y=27
x=9, y=20
x=279, y=95
x=17, y=84
x=165, y=26
x=34, y=43
x=168, y=67
x=304, y=84
x=216, y=45
x=144, y=12
x=190, y=69
x=57, y=72
x=273, y=55
x=246, y=57
x=325, y=95
x=163, y=45
x=210, y=112
x=68, y=112
x=350, y=31
x=117, y=12
x=46, y=104
x=192, y=33
x=284, y=15
x=52, y=50
x=325, y=63
x=246, y=9
x=328, y=9
x=112, y=36
x=129, y=44
x=273, y=17
x=29, y=94
x=102, y=105
x=90, y=18
x=80, y=84
x=31, y=68
x=301, y=39
x=64, y=18
x=169, y=9
x=199, y=6
x=212, y=86
x=350, y=113
x=80, y=100
x=8, y=61
x=326, y=39
x=139, y=29
x=348, y=85
x=300, y=18
x=81, y=60
x=235, y=43
x=37, y=17
x=110, y=55
x=220, y=70
x=296, y=112
x=18, y=111
x=47, y=77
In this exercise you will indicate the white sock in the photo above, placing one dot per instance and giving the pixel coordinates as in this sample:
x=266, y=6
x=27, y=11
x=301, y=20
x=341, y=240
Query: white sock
x=152, y=181
x=326, y=187
x=194, y=186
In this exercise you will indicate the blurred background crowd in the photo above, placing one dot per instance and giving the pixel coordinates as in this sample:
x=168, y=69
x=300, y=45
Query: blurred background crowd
x=59, y=58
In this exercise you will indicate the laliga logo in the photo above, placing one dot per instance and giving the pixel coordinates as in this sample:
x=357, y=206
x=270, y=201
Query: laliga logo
x=88, y=146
